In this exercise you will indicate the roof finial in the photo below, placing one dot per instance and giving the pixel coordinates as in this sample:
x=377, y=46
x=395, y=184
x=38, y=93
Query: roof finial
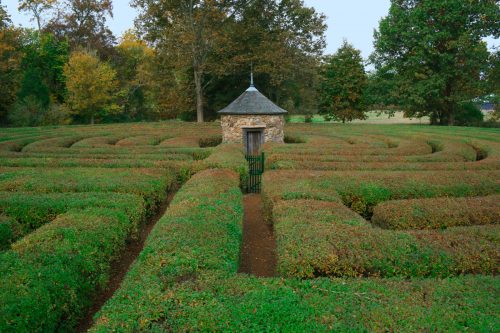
x=252, y=87
x=251, y=75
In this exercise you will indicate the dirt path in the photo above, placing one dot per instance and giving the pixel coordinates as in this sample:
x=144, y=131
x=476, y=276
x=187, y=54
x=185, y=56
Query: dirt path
x=258, y=252
x=121, y=266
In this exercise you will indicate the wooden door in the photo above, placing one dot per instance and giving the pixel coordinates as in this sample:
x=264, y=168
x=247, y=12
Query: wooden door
x=253, y=141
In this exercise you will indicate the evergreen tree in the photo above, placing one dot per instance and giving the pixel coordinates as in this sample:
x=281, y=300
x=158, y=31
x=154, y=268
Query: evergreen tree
x=342, y=86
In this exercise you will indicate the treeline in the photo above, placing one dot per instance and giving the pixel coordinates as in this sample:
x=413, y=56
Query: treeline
x=184, y=59
x=189, y=58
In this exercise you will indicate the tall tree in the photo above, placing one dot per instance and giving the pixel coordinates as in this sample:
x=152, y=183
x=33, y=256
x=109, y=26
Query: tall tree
x=91, y=86
x=83, y=23
x=343, y=84
x=134, y=64
x=217, y=41
x=10, y=56
x=37, y=8
x=284, y=40
x=187, y=31
x=436, y=51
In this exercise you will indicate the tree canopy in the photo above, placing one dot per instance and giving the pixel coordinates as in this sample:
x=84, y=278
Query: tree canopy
x=437, y=52
x=91, y=85
x=343, y=84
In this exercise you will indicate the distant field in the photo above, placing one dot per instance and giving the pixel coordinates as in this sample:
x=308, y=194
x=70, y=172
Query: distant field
x=373, y=117
x=378, y=228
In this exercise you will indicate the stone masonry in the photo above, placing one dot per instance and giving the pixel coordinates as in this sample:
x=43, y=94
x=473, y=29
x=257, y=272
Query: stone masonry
x=233, y=125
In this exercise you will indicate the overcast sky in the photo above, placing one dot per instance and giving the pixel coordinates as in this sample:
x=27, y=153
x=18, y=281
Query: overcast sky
x=353, y=20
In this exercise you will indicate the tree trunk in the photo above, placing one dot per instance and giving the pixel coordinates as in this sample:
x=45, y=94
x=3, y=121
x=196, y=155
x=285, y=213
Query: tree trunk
x=199, y=95
x=92, y=120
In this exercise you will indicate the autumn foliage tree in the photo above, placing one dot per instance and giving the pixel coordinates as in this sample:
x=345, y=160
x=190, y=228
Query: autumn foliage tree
x=342, y=85
x=135, y=66
x=91, y=86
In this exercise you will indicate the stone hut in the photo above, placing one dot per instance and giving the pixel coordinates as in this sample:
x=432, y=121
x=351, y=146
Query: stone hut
x=252, y=119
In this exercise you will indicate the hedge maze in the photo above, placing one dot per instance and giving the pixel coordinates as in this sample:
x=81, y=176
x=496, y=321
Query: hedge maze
x=378, y=228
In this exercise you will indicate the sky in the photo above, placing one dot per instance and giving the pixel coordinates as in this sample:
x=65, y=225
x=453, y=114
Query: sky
x=354, y=20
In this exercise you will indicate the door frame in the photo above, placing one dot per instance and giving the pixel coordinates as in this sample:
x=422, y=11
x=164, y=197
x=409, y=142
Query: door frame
x=246, y=130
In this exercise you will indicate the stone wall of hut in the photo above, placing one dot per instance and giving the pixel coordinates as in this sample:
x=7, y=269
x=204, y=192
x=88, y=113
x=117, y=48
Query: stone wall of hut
x=233, y=125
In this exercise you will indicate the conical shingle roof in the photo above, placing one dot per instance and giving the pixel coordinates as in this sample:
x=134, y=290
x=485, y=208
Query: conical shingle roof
x=252, y=102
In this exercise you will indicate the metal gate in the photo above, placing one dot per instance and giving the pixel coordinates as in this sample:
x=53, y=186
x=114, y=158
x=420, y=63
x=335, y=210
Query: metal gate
x=256, y=169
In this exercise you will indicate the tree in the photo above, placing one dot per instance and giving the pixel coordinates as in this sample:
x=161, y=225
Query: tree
x=436, y=51
x=217, y=41
x=493, y=79
x=285, y=41
x=91, y=85
x=342, y=87
x=134, y=63
x=381, y=91
x=195, y=27
x=43, y=61
x=10, y=56
x=37, y=8
x=83, y=24
x=4, y=17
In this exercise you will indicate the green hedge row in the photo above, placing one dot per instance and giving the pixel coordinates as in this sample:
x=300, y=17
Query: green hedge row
x=318, y=238
x=363, y=190
x=228, y=156
x=151, y=184
x=48, y=279
x=10, y=230
x=437, y=213
x=215, y=302
x=200, y=232
x=116, y=162
x=488, y=164
x=32, y=210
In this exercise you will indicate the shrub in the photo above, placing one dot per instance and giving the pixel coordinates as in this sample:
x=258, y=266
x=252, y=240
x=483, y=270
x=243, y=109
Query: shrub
x=437, y=213
x=200, y=232
x=49, y=277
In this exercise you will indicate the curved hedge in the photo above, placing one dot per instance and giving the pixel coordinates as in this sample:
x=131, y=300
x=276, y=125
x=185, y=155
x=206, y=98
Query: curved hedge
x=318, y=238
x=437, y=212
x=29, y=211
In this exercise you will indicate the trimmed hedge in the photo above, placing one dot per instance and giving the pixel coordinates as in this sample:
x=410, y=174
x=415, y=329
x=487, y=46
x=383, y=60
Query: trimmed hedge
x=200, y=232
x=228, y=156
x=151, y=184
x=363, y=190
x=437, y=213
x=9, y=231
x=115, y=162
x=317, y=238
x=32, y=210
x=50, y=276
x=215, y=302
